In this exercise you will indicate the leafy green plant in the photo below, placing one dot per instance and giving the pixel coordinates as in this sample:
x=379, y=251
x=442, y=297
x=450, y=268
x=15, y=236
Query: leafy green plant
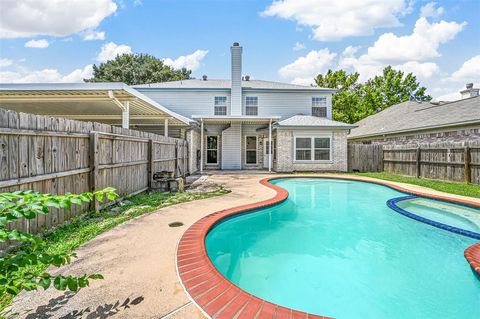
x=17, y=266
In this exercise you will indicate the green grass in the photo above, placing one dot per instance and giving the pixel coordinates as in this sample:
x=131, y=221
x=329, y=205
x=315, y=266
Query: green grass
x=79, y=230
x=447, y=187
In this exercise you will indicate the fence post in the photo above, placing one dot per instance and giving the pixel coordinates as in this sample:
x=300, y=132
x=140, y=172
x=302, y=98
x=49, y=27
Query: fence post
x=150, y=163
x=467, y=160
x=176, y=159
x=418, y=162
x=95, y=205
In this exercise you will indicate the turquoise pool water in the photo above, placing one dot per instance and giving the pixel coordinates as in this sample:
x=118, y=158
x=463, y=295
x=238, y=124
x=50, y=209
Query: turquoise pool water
x=334, y=248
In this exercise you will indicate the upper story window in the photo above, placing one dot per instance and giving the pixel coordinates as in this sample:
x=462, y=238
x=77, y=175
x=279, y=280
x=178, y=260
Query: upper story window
x=251, y=105
x=220, y=105
x=319, y=106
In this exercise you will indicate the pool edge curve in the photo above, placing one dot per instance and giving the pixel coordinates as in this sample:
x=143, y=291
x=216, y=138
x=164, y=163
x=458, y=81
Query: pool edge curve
x=217, y=296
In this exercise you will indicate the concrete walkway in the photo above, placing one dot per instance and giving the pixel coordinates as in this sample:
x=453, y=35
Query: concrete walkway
x=137, y=260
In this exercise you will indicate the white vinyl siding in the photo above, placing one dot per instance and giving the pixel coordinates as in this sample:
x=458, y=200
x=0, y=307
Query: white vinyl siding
x=277, y=103
x=312, y=148
x=251, y=105
x=220, y=105
x=319, y=106
x=231, y=147
x=188, y=103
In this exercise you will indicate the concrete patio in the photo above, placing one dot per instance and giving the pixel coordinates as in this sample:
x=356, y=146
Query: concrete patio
x=137, y=260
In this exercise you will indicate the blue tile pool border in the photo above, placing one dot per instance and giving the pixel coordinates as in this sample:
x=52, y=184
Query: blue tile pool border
x=392, y=203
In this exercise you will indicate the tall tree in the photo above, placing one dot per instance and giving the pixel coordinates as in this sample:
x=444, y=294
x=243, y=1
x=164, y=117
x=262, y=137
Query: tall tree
x=136, y=69
x=355, y=101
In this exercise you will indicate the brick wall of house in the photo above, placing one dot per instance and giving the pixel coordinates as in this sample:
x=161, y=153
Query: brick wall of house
x=285, y=162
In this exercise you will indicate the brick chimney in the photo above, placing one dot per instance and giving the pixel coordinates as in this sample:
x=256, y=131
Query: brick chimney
x=469, y=91
x=236, y=89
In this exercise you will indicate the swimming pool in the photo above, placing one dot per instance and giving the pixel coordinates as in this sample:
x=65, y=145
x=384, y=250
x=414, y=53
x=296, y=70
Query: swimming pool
x=334, y=247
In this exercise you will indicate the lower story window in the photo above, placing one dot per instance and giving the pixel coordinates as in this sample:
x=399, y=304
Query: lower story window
x=312, y=148
x=212, y=149
x=251, y=150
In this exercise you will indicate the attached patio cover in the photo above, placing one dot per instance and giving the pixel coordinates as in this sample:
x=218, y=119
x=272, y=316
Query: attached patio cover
x=111, y=103
x=244, y=119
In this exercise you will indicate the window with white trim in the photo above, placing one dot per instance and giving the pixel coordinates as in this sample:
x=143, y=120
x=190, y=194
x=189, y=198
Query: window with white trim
x=312, y=148
x=212, y=149
x=251, y=150
x=319, y=106
x=251, y=105
x=220, y=105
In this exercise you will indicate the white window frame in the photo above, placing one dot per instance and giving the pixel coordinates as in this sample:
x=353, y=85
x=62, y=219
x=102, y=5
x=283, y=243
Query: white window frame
x=215, y=106
x=312, y=148
x=324, y=105
x=256, y=150
x=247, y=106
x=211, y=149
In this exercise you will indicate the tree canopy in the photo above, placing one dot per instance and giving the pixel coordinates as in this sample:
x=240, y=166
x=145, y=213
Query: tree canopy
x=355, y=101
x=136, y=69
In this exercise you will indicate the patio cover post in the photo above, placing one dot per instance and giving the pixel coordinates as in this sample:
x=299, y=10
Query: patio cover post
x=270, y=148
x=166, y=128
x=201, y=146
x=126, y=114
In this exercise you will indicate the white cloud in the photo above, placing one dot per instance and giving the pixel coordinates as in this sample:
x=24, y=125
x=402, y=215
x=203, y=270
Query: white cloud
x=431, y=10
x=422, y=44
x=334, y=20
x=110, y=50
x=298, y=46
x=191, y=61
x=409, y=53
x=137, y=2
x=305, y=68
x=5, y=62
x=28, y=18
x=91, y=35
x=469, y=71
x=46, y=76
x=38, y=44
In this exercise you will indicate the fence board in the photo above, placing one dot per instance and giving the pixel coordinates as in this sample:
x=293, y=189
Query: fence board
x=365, y=158
x=53, y=155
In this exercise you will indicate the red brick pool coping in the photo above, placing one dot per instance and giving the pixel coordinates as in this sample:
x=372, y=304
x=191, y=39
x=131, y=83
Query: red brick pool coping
x=220, y=298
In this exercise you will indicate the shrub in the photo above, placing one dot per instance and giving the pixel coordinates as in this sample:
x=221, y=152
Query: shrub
x=17, y=266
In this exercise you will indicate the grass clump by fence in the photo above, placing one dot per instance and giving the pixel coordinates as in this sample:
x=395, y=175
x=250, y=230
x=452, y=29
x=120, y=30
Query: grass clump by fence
x=463, y=189
x=66, y=238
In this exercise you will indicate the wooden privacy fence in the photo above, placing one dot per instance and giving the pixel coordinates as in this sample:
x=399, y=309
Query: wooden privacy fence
x=458, y=162
x=54, y=155
x=365, y=158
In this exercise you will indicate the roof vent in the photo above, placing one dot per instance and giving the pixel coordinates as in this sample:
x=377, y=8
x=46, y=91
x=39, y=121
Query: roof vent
x=247, y=77
x=236, y=44
x=204, y=77
x=469, y=86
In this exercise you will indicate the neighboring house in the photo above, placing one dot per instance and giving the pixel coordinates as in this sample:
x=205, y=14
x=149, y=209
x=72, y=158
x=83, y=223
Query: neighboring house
x=233, y=124
x=423, y=122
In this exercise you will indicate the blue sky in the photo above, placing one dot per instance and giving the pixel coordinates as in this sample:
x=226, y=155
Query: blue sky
x=289, y=41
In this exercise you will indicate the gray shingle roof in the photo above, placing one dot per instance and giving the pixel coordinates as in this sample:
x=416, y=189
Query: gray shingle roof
x=311, y=121
x=225, y=84
x=413, y=116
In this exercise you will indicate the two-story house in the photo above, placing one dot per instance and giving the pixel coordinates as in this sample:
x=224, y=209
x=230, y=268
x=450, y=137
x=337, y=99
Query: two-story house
x=253, y=124
x=233, y=124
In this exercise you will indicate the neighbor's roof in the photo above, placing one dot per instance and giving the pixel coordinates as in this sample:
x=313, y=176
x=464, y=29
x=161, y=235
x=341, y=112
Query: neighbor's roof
x=415, y=116
x=85, y=101
x=212, y=84
x=312, y=121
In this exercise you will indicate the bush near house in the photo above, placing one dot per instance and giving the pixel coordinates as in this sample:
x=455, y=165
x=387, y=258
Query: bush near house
x=19, y=265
